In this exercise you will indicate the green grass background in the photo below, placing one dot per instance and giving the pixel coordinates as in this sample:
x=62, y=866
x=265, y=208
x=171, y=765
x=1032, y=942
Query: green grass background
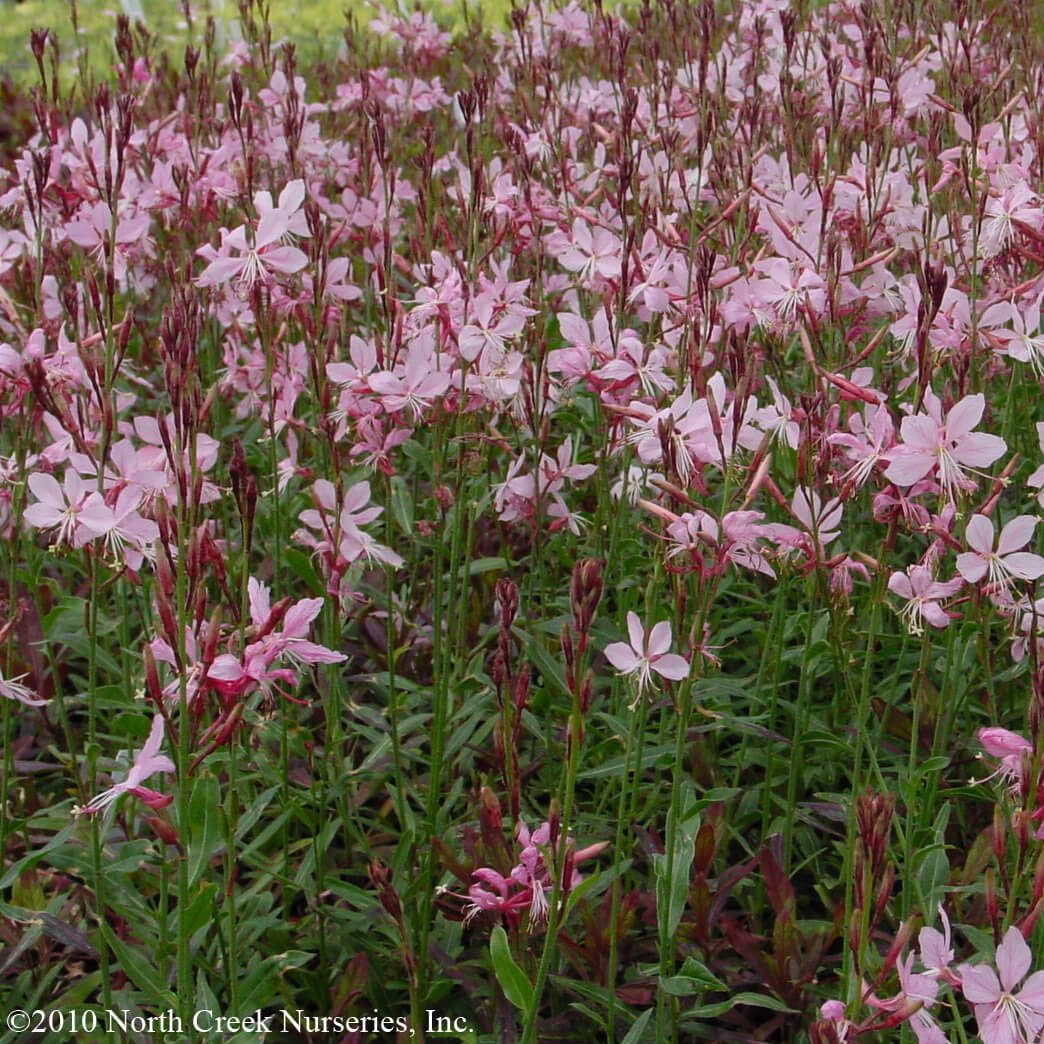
x=315, y=26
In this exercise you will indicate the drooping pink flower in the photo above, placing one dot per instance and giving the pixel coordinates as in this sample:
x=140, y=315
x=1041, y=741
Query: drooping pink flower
x=147, y=761
x=1006, y=1015
x=1009, y=748
x=12, y=690
x=647, y=652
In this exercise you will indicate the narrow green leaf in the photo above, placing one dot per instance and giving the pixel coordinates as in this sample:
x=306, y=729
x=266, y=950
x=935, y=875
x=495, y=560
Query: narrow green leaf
x=672, y=883
x=634, y=1034
x=517, y=988
x=204, y=825
x=402, y=504
x=137, y=967
x=15, y=870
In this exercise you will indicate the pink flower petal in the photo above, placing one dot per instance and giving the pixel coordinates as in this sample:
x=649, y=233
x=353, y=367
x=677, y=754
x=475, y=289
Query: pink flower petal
x=622, y=657
x=971, y=566
x=964, y=416
x=1013, y=959
x=979, y=534
x=671, y=666
x=1017, y=533
x=1024, y=565
x=979, y=450
x=979, y=983
x=659, y=640
x=636, y=632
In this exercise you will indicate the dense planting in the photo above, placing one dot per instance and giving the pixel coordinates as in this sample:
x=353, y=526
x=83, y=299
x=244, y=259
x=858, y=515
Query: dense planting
x=529, y=535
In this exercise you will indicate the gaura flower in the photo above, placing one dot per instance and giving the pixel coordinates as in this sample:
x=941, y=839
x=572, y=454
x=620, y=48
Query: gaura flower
x=1007, y=563
x=1004, y=1015
x=147, y=761
x=647, y=652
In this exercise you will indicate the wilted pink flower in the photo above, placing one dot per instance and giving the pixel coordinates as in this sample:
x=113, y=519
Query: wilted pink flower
x=646, y=653
x=1004, y=1016
x=147, y=761
x=12, y=690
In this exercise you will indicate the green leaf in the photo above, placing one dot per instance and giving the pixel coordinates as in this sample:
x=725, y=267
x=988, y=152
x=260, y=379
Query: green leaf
x=517, y=988
x=486, y=565
x=757, y=1000
x=263, y=981
x=543, y=661
x=134, y=963
x=29, y=861
x=634, y=1034
x=672, y=881
x=301, y=566
x=933, y=875
x=201, y=908
x=204, y=825
x=402, y=504
x=615, y=766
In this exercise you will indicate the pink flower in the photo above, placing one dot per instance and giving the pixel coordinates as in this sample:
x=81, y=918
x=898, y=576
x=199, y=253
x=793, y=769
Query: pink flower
x=917, y=993
x=23, y=694
x=1004, y=1016
x=592, y=252
x=930, y=443
x=413, y=386
x=922, y=594
x=80, y=516
x=234, y=676
x=935, y=947
x=646, y=653
x=1005, y=564
x=821, y=520
x=1010, y=748
x=262, y=251
x=147, y=761
x=872, y=435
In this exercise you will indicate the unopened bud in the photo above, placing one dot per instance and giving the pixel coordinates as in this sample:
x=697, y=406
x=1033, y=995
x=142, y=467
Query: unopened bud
x=163, y=830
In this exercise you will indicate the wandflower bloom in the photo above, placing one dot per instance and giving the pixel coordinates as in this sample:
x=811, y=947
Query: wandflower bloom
x=147, y=761
x=647, y=652
x=947, y=446
x=1004, y=1015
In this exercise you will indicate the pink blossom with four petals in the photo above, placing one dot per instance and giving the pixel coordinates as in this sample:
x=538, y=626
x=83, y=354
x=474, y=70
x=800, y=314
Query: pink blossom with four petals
x=1005, y=564
x=647, y=652
x=948, y=446
x=1004, y=1015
